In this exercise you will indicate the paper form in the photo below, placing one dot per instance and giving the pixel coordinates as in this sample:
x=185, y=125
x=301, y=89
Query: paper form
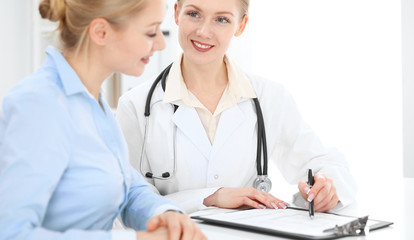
x=284, y=220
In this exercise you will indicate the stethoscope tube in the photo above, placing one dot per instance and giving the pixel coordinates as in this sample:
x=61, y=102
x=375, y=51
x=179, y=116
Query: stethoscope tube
x=262, y=182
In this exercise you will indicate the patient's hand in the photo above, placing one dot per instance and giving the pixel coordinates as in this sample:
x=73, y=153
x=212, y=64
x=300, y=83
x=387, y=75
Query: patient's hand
x=173, y=226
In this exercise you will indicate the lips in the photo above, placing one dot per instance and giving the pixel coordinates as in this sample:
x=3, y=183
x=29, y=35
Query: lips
x=145, y=60
x=201, y=47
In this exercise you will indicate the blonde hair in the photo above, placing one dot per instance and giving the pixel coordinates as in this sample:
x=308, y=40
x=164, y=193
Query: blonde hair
x=74, y=17
x=244, y=7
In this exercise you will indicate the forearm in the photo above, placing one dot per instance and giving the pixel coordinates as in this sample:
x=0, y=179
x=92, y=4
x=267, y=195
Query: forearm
x=191, y=200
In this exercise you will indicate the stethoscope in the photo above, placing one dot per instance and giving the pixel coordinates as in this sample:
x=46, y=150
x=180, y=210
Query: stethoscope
x=262, y=182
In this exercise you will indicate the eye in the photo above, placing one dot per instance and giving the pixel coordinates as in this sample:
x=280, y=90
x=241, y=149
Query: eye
x=223, y=20
x=192, y=14
x=152, y=35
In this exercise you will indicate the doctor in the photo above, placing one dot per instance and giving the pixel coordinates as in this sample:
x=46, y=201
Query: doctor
x=199, y=145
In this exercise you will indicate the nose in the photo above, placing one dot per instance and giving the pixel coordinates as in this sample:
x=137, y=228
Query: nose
x=204, y=30
x=159, y=42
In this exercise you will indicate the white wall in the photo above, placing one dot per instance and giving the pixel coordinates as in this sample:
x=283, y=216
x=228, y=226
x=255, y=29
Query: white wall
x=15, y=43
x=341, y=60
x=408, y=84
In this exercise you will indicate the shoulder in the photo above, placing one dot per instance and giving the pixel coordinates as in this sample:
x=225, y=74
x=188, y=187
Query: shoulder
x=39, y=94
x=266, y=88
x=137, y=95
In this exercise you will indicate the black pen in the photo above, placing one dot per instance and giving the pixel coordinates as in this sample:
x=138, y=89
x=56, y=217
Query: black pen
x=310, y=183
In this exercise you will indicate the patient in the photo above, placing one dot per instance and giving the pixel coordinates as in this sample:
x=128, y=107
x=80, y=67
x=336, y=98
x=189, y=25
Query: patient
x=64, y=170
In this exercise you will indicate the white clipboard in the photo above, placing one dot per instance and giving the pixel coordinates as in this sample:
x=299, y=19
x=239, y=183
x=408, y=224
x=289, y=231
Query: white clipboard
x=294, y=223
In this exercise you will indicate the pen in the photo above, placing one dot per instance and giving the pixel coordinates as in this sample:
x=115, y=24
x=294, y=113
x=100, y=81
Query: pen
x=310, y=183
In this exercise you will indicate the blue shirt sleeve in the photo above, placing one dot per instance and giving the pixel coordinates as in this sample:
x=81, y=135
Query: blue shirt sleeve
x=143, y=202
x=35, y=149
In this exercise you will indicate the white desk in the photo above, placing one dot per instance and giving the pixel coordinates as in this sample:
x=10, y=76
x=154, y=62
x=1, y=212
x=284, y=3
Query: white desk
x=394, y=203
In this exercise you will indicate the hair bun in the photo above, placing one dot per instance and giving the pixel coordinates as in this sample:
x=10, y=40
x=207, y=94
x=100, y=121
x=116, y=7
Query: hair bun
x=54, y=10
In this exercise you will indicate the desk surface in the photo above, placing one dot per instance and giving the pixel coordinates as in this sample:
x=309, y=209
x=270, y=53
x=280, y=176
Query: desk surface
x=393, y=204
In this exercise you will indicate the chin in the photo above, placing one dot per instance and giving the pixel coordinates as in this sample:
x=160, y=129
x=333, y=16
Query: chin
x=135, y=72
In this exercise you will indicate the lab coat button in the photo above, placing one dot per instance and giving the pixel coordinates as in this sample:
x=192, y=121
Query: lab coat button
x=216, y=176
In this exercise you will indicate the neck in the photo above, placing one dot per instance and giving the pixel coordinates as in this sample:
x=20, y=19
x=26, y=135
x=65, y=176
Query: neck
x=89, y=71
x=207, y=77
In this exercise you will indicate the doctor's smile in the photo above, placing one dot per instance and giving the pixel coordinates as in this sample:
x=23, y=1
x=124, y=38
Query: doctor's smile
x=202, y=47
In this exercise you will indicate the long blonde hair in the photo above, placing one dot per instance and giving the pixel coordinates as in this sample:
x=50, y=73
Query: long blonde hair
x=74, y=17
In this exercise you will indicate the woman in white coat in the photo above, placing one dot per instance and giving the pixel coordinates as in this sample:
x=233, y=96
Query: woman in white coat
x=207, y=147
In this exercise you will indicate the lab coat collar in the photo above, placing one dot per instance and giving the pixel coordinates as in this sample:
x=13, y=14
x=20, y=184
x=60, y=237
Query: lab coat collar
x=70, y=80
x=187, y=121
x=239, y=85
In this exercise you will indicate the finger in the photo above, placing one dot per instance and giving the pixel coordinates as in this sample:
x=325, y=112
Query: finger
x=187, y=228
x=331, y=204
x=153, y=223
x=249, y=202
x=174, y=229
x=332, y=201
x=266, y=199
x=276, y=202
x=304, y=189
x=320, y=182
x=322, y=199
x=324, y=195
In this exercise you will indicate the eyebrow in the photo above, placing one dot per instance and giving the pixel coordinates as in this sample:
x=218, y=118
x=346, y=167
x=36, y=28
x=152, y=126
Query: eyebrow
x=219, y=13
x=154, y=23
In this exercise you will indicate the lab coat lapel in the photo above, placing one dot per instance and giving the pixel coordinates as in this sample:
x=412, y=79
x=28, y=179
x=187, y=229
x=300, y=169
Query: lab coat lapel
x=230, y=121
x=188, y=121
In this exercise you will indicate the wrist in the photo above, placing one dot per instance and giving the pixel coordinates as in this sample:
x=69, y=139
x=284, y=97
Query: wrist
x=174, y=210
x=211, y=200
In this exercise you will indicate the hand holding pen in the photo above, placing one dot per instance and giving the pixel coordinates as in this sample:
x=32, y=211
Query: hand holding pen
x=322, y=193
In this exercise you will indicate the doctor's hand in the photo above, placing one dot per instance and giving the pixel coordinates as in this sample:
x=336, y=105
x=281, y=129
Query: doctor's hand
x=323, y=193
x=174, y=225
x=240, y=197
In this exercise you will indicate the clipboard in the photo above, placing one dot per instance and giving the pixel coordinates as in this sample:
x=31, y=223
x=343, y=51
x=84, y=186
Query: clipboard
x=294, y=223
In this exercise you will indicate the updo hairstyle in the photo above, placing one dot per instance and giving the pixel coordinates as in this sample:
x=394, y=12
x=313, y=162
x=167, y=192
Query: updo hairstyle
x=74, y=17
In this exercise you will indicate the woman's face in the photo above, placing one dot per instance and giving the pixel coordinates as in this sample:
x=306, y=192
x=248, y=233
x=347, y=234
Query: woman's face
x=205, y=28
x=132, y=45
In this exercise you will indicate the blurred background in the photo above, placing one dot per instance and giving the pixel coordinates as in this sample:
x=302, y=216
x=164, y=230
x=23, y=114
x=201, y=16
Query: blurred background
x=349, y=65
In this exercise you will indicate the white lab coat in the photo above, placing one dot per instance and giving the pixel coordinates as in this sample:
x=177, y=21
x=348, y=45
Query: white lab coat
x=230, y=161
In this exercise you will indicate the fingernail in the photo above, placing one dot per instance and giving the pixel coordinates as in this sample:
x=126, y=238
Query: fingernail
x=310, y=197
x=274, y=205
x=282, y=205
x=306, y=189
x=262, y=206
x=286, y=204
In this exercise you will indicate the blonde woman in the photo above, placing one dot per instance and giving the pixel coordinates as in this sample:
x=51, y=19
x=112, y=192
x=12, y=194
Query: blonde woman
x=64, y=170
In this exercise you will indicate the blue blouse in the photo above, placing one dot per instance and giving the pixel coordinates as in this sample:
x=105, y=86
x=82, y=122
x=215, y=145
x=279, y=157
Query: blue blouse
x=64, y=169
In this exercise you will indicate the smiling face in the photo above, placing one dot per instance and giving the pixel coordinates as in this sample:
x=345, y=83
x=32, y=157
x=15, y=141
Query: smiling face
x=133, y=44
x=206, y=28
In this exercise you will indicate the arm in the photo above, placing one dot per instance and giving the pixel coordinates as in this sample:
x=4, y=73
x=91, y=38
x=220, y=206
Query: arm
x=298, y=149
x=35, y=149
x=144, y=204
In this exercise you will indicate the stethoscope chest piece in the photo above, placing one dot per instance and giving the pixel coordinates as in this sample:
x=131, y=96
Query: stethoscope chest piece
x=262, y=183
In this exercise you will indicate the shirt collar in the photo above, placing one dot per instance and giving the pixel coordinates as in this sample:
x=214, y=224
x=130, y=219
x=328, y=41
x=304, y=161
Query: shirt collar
x=239, y=85
x=70, y=80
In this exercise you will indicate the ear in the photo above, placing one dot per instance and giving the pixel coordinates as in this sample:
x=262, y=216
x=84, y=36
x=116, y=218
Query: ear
x=99, y=29
x=176, y=12
x=242, y=26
